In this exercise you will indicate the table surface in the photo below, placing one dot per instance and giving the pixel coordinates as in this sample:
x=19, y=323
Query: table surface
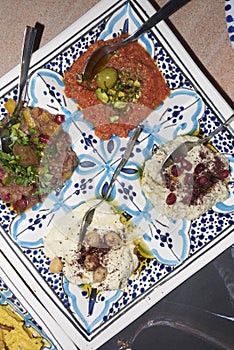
x=201, y=23
x=205, y=302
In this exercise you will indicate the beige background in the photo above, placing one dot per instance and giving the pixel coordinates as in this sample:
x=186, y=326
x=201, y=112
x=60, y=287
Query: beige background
x=201, y=23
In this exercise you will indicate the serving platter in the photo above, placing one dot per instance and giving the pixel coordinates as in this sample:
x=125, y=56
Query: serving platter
x=174, y=249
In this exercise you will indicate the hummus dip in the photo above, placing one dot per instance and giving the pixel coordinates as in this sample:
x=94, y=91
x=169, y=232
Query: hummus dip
x=107, y=257
x=190, y=186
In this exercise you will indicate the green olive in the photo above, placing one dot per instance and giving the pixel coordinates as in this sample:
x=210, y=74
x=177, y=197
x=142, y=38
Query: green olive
x=107, y=78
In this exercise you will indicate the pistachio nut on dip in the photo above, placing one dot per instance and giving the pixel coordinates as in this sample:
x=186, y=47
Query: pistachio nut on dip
x=107, y=257
x=190, y=186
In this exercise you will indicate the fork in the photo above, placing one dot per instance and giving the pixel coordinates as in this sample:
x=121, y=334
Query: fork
x=183, y=148
x=88, y=217
x=101, y=56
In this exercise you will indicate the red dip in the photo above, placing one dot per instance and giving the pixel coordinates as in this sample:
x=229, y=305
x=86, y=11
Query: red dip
x=114, y=109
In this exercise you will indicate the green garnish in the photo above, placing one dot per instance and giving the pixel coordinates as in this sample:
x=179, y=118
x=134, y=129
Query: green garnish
x=22, y=175
x=17, y=135
x=113, y=118
x=121, y=88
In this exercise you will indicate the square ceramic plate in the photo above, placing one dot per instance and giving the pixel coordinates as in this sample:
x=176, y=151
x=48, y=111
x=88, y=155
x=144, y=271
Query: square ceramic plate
x=176, y=249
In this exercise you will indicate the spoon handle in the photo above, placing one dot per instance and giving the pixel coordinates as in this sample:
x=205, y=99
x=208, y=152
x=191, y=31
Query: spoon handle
x=28, y=42
x=125, y=157
x=216, y=131
x=88, y=217
x=168, y=9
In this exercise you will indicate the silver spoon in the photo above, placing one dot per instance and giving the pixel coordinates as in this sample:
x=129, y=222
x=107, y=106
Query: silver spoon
x=102, y=55
x=27, y=49
x=88, y=217
x=188, y=145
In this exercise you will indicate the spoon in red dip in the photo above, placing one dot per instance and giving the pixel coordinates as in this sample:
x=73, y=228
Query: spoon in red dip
x=102, y=55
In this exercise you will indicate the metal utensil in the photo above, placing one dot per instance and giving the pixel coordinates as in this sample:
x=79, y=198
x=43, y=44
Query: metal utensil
x=27, y=48
x=88, y=217
x=101, y=56
x=188, y=145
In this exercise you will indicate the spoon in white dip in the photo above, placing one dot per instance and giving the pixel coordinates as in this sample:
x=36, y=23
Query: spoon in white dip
x=183, y=148
x=88, y=217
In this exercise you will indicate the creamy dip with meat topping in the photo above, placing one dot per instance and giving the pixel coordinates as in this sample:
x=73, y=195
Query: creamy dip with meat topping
x=190, y=186
x=107, y=257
